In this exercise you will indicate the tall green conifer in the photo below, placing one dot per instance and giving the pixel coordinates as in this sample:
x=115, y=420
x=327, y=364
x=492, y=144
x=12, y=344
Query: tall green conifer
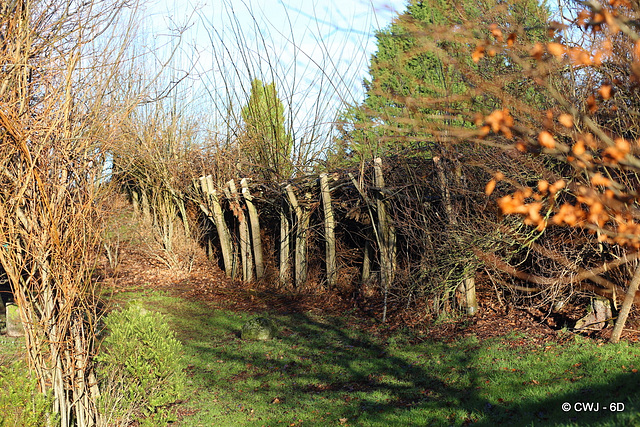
x=268, y=145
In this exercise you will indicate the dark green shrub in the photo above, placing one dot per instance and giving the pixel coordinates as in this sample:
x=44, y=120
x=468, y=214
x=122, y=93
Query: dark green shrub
x=140, y=366
x=21, y=404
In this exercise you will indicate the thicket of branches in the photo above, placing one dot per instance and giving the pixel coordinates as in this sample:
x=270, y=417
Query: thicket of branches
x=56, y=79
x=565, y=162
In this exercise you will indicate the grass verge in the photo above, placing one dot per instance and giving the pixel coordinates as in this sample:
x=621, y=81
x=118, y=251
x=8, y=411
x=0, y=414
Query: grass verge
x=326, y=371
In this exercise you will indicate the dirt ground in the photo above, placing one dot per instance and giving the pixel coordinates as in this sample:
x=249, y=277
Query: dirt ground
x=207, y=283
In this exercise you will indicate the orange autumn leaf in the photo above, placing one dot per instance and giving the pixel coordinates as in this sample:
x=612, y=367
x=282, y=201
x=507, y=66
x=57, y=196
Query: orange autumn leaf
x=568, y=214
x=579, y=56
x=613, y=154
x=546, y=139
x=543, y=186
x=583, y=16
x=511, y=39
x=478, y=54
x=605, y=91
x=566, y=120
x=496, y=32
x=591, y=103
x=537, y=51
x=500, y=120
x=599, y=179
x=557, y=186
x=491, y=185
x=555, y=49
x=623, y=145
x=521, y=146
x=579, y=148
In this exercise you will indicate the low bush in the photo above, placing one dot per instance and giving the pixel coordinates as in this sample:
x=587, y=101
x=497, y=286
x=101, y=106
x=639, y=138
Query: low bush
x=21, y=404
x=140, y=367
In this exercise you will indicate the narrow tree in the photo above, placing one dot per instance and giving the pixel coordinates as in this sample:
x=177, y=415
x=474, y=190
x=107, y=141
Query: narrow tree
x=268, y=145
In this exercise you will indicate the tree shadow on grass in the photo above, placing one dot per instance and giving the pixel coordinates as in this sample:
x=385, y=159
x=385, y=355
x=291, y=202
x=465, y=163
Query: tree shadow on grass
x=321, y=369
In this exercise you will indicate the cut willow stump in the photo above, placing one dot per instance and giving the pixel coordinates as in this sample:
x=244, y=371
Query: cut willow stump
x=367, y=257
x=285, y=238
x=245, y=239
x=255, y=229
x=386, y=236
x=329, y=231
x=215, y=215
x=303, y=217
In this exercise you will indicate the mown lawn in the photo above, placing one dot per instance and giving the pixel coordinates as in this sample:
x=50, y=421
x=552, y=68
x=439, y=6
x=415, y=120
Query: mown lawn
x=324, y=370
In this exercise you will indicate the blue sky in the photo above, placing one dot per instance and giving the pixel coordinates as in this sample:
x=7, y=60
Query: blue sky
x=317, y=52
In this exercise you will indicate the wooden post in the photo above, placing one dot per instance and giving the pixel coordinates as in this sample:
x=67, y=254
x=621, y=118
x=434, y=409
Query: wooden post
x=245, y=239
x=387, y=239
x=302, y=225
x=285, y=237
x=366, y=263
x=329, y=231
x=255, y=228
x=216, y=216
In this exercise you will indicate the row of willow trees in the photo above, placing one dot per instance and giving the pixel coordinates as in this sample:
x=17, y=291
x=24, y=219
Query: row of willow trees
x=508, y=152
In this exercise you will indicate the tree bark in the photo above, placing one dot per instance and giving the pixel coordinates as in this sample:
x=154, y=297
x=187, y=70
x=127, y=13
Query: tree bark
x=285, y=238
x=329, y=231
x=216, y=215
x=301, y=227
x=626, y=306
x=387, y=234
x=245, y=239
x=366, y=263
x=255, y=229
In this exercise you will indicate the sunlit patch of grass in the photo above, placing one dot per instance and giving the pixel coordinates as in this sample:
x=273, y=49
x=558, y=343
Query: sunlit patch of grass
x=322, y=370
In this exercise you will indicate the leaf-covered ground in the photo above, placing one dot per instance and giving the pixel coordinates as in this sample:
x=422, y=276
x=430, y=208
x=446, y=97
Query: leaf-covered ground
x=333, y=364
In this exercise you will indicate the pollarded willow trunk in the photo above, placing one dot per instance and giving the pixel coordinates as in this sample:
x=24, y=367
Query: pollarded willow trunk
x=386, y=236
x=285, y=238
x=255, y=229
x=384, y=233
x=626, y=306
x=303, y=217
x=213, y=211
x=467, y=286
x=244, y=234
x=329, y=231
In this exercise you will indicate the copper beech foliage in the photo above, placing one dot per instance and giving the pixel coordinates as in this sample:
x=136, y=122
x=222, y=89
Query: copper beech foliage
x=601, y=194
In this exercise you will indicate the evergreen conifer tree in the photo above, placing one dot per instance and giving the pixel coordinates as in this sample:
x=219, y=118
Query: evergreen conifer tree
x=424, y=74
x=268, y=145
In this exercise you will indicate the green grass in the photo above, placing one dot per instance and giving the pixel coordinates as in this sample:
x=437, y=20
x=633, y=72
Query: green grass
x=324, y=371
